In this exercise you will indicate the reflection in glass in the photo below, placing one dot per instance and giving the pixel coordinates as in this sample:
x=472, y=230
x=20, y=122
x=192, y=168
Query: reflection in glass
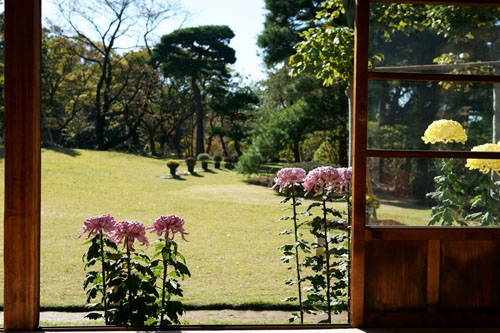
x=399, y=112
x=433, y=192
x=435, y=39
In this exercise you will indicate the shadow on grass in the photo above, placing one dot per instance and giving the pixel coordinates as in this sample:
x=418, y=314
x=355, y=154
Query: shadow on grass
x=408, y=205
x=254, y=306
x=178, y=178
x=195, y=174
x=65, y=151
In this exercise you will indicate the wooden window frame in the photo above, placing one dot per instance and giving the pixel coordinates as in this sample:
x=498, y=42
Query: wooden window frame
x=23, y=162
x=361, y=233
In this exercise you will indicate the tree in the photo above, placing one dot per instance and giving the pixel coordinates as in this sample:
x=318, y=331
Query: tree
x=108, y=22
x=284, y=20
x=66, y=85
x=234, y=113
x=199, y=53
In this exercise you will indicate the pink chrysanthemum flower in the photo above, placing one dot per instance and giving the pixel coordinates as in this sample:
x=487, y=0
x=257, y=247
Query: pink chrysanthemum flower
x=347, y=178
x=170, y=224
x=96, y=224
x=128, y=231
x=323, y=178
x=289, y=177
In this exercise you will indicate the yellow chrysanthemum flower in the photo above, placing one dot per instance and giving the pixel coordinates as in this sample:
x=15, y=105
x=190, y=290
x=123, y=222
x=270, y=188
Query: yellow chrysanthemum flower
x=444, y=131
x=484, y=165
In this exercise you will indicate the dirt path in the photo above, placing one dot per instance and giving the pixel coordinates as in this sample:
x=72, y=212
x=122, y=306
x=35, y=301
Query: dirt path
x=194, y=317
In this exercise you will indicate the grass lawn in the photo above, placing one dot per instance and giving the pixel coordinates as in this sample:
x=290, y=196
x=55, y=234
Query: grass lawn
x=233, y=242
x=232, y=250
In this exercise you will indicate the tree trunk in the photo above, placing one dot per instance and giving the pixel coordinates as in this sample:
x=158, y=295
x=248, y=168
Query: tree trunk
x=152, y=141
x=296, y=152
x=343, y=149
x=99, y=131
x=223, y=145
x=200, y=117
x=237, y=147
x=209, y=143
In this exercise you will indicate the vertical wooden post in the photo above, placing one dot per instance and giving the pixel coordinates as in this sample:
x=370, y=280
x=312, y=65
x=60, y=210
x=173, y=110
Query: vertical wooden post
x=361, y=30
x=22, y=164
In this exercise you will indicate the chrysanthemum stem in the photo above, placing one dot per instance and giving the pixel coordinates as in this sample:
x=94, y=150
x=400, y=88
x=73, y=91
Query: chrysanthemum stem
x=327, y=255
x=129, y=274
x=297, y=254
x=164, y=286
x=105, y=303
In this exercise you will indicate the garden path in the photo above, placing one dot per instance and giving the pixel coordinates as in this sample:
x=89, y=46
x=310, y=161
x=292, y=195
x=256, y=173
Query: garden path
x=192, y=317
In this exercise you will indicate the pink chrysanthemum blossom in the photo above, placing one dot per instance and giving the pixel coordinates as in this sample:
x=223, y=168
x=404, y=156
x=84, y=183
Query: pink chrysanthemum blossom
x=347, y=179
x=170, y=224
x=289, y=177
x=96, y=224
x=323, y=178
x=128, y=231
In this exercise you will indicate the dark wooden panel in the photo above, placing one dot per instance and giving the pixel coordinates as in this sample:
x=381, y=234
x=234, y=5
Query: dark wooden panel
x=398, y=76
x=428, y=233
x=469, y=275
x=396, y=274
x=432, y=319
x=486, y=3
x=393, y=153
x=433, y=267
x=22, y=164
x=359, y=160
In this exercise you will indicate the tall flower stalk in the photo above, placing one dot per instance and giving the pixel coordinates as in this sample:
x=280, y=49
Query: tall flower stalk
x=170, y=225
x=324, y=181
x=127, y=232
x=97, y=226
x=288, y=179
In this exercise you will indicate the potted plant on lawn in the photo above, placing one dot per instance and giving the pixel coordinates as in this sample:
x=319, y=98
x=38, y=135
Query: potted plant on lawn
x=173, y=165
x=228, y=162
x=217, y=159
x=190, y=162
x=204, y=158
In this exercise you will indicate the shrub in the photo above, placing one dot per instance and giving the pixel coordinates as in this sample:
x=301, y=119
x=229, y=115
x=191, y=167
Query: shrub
x=217, y=158
x=203, y=157
x=250, y=162
x=326, y=152
x=190, y=161
x=173, y=163
x=308, y=166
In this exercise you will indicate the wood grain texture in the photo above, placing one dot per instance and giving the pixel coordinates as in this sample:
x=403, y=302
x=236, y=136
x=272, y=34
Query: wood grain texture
x=22, y=164
x=396, y=274
x=470, y=271
x=433, y=268
x=433, y=319
x=392, y=153
x=398, y=76
x=359, y=161
x=427, y=233
x=486, y=3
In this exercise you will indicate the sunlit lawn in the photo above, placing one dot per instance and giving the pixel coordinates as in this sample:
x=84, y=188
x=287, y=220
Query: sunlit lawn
x=232, y=249
x=233, y=242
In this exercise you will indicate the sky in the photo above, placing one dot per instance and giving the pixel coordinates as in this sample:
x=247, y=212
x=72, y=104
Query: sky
x=244, y=17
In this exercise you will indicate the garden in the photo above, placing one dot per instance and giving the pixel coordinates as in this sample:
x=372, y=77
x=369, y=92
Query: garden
x=233, y=230
x=171, y=183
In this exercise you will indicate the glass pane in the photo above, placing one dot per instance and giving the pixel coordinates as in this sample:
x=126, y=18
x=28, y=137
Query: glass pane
x=433, y=192
x=435, y=39
x=400, y=112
